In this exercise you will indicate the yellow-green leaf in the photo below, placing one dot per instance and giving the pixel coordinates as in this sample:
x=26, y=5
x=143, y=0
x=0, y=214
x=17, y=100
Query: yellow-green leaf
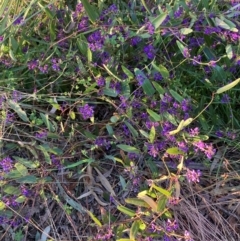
x=228, y=86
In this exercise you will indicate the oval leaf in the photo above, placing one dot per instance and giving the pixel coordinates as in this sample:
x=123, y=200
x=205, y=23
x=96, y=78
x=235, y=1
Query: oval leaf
x=228, y=86
x=128, y=148
x=16, y=107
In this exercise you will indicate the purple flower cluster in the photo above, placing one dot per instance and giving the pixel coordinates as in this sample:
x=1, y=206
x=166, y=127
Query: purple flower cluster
x=16, y=96
x=83, y=24
x=106, y=234
x=56, y=161
x=150, y=28
x=102, y=142
x=6, y=164
x=32, y=64
x=207, y=149
x=149, y=51
x=41, y=134
x=55, y=64
x=86, y=111
x=171, y=226
x=96, y=41
x=100, y=81
x=193, y=176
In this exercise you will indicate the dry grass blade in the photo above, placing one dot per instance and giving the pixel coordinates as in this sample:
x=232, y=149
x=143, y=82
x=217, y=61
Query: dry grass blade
x=105, y=182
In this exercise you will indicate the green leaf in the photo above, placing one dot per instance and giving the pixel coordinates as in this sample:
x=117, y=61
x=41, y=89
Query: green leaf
x=185, y=31
x=146, y=7
x=228, y=86
x=82, y=44
x=45, y=153
x=229, y=51
x=158, y=20
x=16, y=107
x=46, y=121
x=162, y=70
x=21, y=168
x=170, y=118
x=181, y=47
x=94, y=219
x=181, y=125
x=109, y=129
x=144, y=133
x=126, y=211
x=11, y=190
x=137, y=202
x=154, y=115
x=90, y=10
x=222, y=24
x=176, y=96
x=152, y=134
x=2, y=205
x=147, y=85
x=115, y=119
x=129, y=74
x=161, y=204
x=52, y=29
x=174, y=151
x=27, y=179
x=20, y=199
x=75, y=164
x=161, y=190
x=131, y=128
x=89, y=55
x=110, y=92
x=134, y=229
x=128, y=148
x=158, y=87
x=72, y=115
x=46, y=10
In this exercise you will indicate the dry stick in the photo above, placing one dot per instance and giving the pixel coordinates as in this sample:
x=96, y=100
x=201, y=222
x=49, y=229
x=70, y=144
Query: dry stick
x=68, y=217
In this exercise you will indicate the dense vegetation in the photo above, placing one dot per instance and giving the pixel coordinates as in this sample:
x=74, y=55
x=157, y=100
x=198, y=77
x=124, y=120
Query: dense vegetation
x=119, y=120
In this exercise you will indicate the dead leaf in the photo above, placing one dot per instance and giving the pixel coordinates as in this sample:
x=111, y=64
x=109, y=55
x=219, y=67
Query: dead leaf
x=105, y=182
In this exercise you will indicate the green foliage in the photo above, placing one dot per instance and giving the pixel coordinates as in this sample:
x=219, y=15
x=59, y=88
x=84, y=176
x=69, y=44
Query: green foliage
x=124, y=89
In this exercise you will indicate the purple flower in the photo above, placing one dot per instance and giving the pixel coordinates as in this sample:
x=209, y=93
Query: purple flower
x=187, y=236
x=56, y=161
x=41, y=134
x=16, y=96
x=1, y=38
x=194, y=132
x=183, y=146
x=96, y=41
x=135, y=40
x=150, y=28
x=149, y=51
x=2, y=100
x=43, y=69
x=193, y=176
x=18, y=20
x=86, y=111
x=140, y=79
x=171, y=225
x=225, y=99
x=186, y=53
x=83, y=24
x=32, y=64
x=153, y=150
x=6, y=164
x=25, y=191
x=209, y=151
x=157, y=76
x=10, y=201
x=178, y=13
x=100, y=81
